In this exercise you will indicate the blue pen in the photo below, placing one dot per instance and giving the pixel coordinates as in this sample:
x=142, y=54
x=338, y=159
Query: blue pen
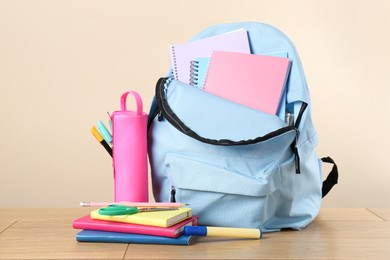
x=104, y=132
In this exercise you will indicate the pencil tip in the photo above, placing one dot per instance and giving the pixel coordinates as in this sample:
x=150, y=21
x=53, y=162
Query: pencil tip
x=84, y=204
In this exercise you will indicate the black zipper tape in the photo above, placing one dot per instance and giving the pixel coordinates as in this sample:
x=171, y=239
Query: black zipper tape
x=156, y=111
x=295, y=143
x=300, y=114
x=164, y=110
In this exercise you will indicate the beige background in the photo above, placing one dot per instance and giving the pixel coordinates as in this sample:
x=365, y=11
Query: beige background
x=63, y=64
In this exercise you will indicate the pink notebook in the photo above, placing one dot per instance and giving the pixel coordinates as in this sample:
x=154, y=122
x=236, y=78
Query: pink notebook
x=183, y=54
x=102, y=225
x=253, y=80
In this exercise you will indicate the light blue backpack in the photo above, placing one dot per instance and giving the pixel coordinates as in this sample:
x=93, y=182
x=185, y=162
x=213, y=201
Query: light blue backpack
x=236, y=166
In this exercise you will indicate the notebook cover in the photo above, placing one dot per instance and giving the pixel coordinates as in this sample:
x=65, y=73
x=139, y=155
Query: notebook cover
x=199, y=70
x=156, y=218
x=102, y=225
x=182, y=54
x=116, y=237
x=253, y=80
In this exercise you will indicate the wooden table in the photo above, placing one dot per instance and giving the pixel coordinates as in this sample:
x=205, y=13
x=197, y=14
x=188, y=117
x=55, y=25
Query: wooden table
x=335, y=234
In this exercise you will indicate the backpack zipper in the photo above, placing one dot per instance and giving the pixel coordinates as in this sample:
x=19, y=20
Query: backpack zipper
x=157, y=111
x=300, y=114
x=164, y=111
x=294, y=148
x=173, y=194
x=294, y=144
x=163, y=94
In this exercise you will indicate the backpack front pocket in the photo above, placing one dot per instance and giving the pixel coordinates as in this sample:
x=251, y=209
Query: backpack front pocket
x=225, y=191
x=213, y=120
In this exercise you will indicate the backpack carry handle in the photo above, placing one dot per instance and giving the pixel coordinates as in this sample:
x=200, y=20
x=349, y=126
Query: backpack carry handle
x=332, y=178
x=138, y=101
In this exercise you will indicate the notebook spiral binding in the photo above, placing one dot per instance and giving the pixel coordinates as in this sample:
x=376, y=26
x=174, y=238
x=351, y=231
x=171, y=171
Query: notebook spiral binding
x=174, y=73
x=194, y=65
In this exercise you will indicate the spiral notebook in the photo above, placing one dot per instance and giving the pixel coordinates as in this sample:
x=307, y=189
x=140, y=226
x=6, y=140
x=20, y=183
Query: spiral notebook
x=199, y=66
x=198, y=71
x=253, y=80
x=182, y=54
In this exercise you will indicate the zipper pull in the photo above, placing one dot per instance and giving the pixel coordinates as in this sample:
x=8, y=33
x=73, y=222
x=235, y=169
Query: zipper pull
x=297, y=162
x=160, y=116
x=296, y=153
x=173, y=193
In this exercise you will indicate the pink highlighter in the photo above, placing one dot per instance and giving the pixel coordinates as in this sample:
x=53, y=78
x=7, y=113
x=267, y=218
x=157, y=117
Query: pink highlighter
x=129, y=131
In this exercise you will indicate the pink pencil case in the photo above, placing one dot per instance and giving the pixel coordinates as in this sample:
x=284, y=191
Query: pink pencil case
x=129, y=131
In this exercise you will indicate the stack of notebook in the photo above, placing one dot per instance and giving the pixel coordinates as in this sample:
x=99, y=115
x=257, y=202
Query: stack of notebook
x=182, y=54
x=159, y=227
x=223, y=65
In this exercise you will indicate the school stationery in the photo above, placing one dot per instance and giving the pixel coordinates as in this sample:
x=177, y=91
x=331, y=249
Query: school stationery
x=157, y=218
x=100, y=139
x=223, y=232
x=253, y=80
x=237, y=166
x=182, y=54
x=115, y=237
x=117, y=209
x=135, y=204
x=104, y=132
x=198, y=72
x=130, y=151
x=199, y=67
x=174, y=231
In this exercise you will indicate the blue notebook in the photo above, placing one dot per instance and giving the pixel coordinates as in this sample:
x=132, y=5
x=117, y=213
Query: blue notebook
x=116, y=237
x=198, y=71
